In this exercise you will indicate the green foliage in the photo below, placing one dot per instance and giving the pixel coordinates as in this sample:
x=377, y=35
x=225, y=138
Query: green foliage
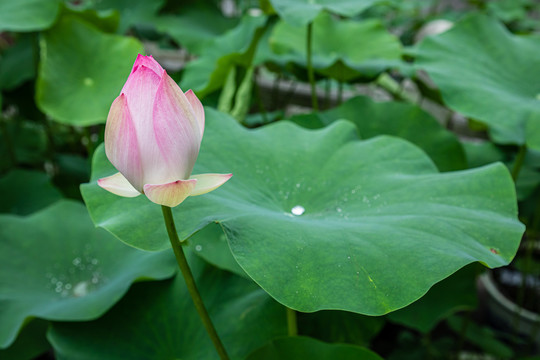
x=365, y=202
x=364, y=209
x=196, y=27
x=302, y=12
x=17, y=62
x=291, y=348
x=455, y=293
x=62, y=268
x=36, y=192
x=399, y=119
x=82, y=70
x=168, y=327
x=342, y=49
x=485, y=72
x=27, y=15
x=208, y=73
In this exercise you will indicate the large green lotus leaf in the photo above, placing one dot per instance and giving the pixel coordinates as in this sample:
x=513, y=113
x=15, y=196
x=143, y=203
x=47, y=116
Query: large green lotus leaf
x=292, y=348
x=57, y=266
x=211, y=244
x=196, y=26
x=379, y=224
x=158, y=321
x=485, y=72
x=27, y=15
x=455, y=293
x=235, y=47
x=17, y=62
x=302, y=12
x=24, y=192
x=404, y=120
x=82, y=71
x=342, y=49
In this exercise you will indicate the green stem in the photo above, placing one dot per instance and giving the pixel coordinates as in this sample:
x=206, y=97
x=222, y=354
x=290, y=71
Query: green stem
x=190, y=281
x=292, y=325
x=311, y=75
x=518, y=162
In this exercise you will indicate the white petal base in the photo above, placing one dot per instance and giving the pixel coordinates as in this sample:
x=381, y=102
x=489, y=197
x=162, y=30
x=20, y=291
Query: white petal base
x=118, y=185
x=170, y=194
x=208, y=182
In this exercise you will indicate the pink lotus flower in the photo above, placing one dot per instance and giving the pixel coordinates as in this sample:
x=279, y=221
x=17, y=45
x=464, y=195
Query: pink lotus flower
x=152, y=137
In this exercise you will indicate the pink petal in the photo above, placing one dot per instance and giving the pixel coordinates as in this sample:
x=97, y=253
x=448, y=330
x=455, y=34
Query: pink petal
x=197, y=108
x=140, y=90
x=149, y=62
x=208, y=182
x=118, y=185
x=176, y=129
x=170, y=194
x=121, y=145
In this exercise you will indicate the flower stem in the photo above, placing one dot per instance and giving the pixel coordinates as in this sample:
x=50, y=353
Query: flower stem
x=292, y=326
x=311, y=75
x=518, y=162
x=190, y=282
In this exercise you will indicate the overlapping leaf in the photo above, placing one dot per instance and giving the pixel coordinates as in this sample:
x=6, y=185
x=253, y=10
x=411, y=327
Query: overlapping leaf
x=158, y=321
x=404, y=120
x=342, y=49
x=484, y=72
x=321, y=220
x=302, y=12
x=59, y=267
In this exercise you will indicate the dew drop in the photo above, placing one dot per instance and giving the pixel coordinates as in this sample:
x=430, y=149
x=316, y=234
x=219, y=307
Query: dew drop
x=298, y=210
x=81, y=289
x=339, y=210
x=76, y=261
x=198, y=248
